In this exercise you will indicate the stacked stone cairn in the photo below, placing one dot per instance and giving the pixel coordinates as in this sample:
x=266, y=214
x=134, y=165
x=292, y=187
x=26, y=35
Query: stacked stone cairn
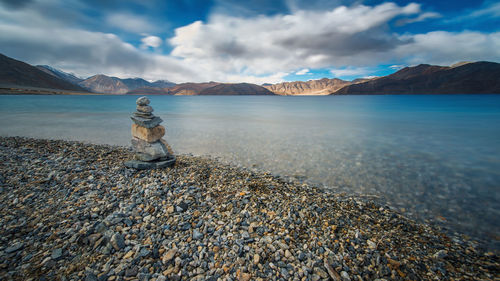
x=151, y=151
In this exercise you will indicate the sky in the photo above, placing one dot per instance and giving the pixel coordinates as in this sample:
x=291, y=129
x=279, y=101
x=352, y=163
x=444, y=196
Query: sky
x=253, y=41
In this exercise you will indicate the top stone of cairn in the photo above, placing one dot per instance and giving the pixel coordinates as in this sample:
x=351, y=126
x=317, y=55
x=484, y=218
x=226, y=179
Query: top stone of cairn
x=143, y=101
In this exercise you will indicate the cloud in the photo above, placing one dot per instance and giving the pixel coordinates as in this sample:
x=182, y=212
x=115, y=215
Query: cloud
x=445, y=48
x=87, y=53
x=419, y=18
x=151, y=41
x=15, y=4
x=303, y=39
x=302, y=71
x=129, y=22
x=396, y=66
x=351, y=71
x=491, y=10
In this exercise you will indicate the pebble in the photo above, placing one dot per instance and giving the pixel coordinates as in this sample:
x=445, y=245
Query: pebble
x=57, y=254
x=117, y=241
x=15, y=247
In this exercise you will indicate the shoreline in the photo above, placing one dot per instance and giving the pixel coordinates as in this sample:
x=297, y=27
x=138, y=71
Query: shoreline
x=72, y=210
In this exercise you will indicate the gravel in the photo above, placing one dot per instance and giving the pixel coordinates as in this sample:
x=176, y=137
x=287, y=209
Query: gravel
x=72, y=211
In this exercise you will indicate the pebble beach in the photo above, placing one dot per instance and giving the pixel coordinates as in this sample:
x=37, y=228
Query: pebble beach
x=73, y=211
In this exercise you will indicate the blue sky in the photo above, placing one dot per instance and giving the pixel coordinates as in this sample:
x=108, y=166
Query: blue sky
x=252, y=41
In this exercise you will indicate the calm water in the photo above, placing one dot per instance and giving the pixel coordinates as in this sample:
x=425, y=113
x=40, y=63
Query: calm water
x=435, y=158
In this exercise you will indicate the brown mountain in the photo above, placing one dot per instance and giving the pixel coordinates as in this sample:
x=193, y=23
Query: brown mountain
x=226, y=89
x=17, y=74
x=114, y=85
x=191, y=88
x=149, y=91
x=323, y=86
x=188, y=89
x=463, y=78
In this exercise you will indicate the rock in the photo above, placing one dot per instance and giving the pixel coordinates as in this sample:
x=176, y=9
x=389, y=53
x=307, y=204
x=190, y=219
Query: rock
x=256, y=259
x=144, y=108
x=345, y=276
x=90, y=277
x=244, y=276
x=128, y=255
x=371, y=244
x=144, y=253
x=441, y=254
x=148, y=116
x=142, y=101
x=131, y=272
x=169, y=255
x=331, y=271
x=117, y=241
x=56, y=254
x=197, y=234
x=15, y=247
x=146, y=151
x=287, y=254
x=142, y=165
x=148, y=134
x=321, y=272
x=146, y=122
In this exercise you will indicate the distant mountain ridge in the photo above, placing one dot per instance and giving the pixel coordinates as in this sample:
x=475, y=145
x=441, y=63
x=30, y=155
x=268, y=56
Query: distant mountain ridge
x=210, y=88
x=236, y=89
x=113, y=85
x=323, y=86
x=60, y=74
x=14, y=73
x=463, y=78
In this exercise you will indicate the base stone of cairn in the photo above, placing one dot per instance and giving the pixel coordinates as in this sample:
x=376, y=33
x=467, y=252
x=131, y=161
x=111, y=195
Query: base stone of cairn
x=151, y=151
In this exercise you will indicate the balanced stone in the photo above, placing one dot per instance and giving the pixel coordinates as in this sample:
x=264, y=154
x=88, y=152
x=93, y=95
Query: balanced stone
x=144, y=108
x=151, y=151
x=142, y=101
x=146, y=122
x=146, y=151
x=148, y=134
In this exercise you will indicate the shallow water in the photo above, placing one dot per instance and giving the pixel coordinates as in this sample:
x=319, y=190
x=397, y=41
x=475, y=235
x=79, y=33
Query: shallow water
x=435, y=157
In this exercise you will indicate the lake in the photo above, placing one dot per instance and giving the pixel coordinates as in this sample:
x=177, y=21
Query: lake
x=435, y=158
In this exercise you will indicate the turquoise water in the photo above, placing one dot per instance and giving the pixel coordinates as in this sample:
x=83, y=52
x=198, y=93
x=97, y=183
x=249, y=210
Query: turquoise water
x=435, y=158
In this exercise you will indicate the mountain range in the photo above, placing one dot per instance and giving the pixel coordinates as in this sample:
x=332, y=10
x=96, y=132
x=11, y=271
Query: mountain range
x=14, y=73
x=462, y=78
x=323, y=86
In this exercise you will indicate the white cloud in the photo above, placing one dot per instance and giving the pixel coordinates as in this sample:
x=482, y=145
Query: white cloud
x=302, y=71
x=419, y=18
x=492, y=10
x=396, y=66
x=445, y=48
x=151, y=41
x=129, y=22
x=351, y=71
x=304, y=39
